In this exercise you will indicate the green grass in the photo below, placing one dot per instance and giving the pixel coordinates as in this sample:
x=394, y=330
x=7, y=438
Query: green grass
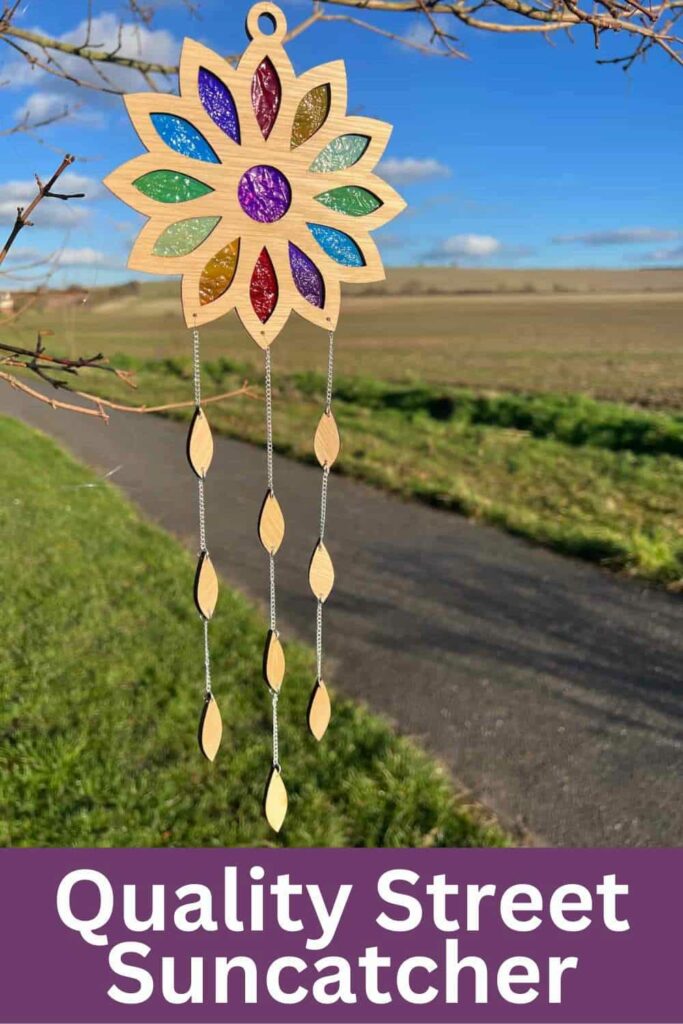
x=597, y=480
x=101, y=688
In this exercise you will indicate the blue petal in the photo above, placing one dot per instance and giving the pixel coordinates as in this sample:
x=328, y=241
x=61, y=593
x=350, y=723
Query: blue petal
x=339, y=247
x=183, y=137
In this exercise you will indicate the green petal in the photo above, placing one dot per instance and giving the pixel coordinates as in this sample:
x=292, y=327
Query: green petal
x=184, y=236
x=342, y=152
x=170, y=187
x=350, y=199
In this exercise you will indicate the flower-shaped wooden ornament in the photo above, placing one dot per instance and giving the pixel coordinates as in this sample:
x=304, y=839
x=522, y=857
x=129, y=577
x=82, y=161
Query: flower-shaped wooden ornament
x=259, y=187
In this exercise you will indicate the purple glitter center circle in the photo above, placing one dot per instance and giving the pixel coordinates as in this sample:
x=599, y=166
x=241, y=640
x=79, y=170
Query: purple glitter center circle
x=264, y=194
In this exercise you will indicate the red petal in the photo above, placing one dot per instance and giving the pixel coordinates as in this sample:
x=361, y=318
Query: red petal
x=265, y=96
x=263, y=289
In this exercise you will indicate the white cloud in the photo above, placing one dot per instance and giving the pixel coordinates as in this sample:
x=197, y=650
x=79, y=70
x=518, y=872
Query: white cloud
x=67, y=256
x=670, y=254
x=466, y=246
x=51, y=213
x=620, y=236
x=41, y=107
x=83, y=257
x=72, y=181
x=408, y=170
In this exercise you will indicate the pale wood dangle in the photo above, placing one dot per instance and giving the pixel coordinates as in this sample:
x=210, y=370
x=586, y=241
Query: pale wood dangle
x=205, y=586
x=210, y=728
x=271, y=524
x=199, y=452
x=327, y=443
x=273, y=661
x=271, y=531
x=275, y=801
x=199, y=444
x=321, y=572
x=319, y=710
x=327, y=446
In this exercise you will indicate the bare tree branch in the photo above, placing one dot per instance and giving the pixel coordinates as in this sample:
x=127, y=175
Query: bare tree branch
x=44, y=192
x=99, y=406
x=57, y=371
x=28, y=126
x=650, y=26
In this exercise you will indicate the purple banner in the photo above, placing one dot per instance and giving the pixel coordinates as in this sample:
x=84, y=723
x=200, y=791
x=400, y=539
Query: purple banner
x=341, y=935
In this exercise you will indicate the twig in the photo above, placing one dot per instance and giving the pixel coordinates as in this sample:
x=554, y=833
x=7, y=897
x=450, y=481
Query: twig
x=654, y=24
x=101, y=403
x=44, y=192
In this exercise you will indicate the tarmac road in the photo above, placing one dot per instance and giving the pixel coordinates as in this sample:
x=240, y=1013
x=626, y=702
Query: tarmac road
x=551, y=690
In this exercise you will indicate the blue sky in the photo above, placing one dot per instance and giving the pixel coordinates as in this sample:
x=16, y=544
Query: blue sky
x=526, y=155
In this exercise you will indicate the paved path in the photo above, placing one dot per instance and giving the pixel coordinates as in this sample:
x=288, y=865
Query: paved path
x=550, y=689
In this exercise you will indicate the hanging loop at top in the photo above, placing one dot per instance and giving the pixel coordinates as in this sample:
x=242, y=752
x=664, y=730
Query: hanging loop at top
x=271, y=13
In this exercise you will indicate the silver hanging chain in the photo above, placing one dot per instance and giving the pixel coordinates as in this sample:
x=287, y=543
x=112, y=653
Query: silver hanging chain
x=197, y=380
x=276, y=734
x=323, y=501
x=269, y=421
x=207, y=659
x=271, y=556
x=330, y=372
x=323, y=507
x=319, y=641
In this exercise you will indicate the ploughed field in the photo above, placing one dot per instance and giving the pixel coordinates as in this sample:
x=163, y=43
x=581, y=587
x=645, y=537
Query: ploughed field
x=608, y=334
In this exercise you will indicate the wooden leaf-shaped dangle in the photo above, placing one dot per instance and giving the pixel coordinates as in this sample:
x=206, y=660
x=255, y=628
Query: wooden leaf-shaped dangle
x=271, y=524
x=273, y=661
x=205, y=586
x=275, y=800
x=319, y=710
x=327, y=444
x=321, y=572
x=200, y=444
x=210, y=729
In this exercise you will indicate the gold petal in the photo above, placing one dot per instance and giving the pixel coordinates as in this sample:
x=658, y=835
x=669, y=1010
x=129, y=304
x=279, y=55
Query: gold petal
x=319, y=710
x=218, y=274
x=273, y=661
x=200, y=444
x=275, y=800
x=271, y=523
x=311, y=114
x=205, y=586
x=321, y=572
x=327, y=444
x=210, y=729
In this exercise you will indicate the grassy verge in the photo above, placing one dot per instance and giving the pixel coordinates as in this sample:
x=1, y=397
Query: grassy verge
x=100, y=691
x=597, y=480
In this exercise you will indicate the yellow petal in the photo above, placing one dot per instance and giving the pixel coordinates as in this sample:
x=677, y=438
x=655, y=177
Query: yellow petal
x=311, y=114
x=218, y=274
